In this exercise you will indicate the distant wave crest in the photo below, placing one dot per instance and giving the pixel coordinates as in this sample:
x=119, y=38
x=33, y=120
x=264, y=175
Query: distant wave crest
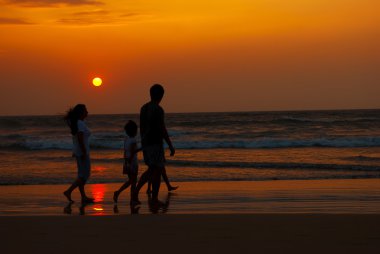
x=273, y=165
x=349, y=142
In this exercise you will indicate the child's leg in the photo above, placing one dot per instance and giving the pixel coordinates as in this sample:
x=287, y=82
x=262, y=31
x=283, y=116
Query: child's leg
x=143, y=179
x=123, y=187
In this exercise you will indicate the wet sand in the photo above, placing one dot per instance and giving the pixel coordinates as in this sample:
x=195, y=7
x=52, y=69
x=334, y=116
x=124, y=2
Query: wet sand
x=354, y=196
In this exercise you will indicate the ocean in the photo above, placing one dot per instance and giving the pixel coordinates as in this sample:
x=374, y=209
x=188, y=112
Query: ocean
x=235, y=146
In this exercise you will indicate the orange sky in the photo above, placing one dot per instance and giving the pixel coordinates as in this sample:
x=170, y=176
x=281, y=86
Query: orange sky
x=215, y=56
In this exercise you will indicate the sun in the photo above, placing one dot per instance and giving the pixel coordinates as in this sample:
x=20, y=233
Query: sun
x=97, y=81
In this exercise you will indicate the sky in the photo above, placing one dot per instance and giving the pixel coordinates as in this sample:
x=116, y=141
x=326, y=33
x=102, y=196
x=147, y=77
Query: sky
x=215, y=55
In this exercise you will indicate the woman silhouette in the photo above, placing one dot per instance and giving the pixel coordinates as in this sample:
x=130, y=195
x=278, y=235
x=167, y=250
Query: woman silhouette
x=81, y=150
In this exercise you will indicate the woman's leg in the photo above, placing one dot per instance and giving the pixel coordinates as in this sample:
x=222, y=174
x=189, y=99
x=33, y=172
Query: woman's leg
x=79, y=182
x=84, y=172
x=85, y=199
x=166, y=179
x=68, y=192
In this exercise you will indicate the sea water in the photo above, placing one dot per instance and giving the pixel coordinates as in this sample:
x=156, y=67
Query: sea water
x=234, y=146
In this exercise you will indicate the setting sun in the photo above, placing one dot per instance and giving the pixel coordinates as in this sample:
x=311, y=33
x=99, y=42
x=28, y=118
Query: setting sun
x=97, y=81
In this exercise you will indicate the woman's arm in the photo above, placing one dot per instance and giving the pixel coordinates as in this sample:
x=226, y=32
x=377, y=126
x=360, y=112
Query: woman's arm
x=80, y=136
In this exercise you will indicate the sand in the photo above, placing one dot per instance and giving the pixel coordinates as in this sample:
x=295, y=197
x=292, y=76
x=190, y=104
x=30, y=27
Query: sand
x=244, y=233
x=321, y=216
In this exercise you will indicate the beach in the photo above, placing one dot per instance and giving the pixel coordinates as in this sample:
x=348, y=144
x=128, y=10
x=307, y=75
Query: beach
x=264, y=182
x=260, y=233
x=333, y=216
x=261, y=118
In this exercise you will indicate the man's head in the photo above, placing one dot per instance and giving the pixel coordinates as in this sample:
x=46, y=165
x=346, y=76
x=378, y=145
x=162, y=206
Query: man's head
x=156, y=93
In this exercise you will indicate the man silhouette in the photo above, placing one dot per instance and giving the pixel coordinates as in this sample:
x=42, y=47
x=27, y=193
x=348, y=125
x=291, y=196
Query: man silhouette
x=153, y=132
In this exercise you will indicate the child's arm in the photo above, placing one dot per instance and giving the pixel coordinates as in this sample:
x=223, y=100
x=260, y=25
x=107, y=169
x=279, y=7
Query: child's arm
x=134, y=150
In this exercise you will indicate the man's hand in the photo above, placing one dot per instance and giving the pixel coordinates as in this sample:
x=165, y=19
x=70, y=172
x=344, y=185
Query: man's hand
x=172, y=150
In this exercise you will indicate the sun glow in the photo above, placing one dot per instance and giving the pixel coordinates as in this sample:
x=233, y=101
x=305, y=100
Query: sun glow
x=97, y=81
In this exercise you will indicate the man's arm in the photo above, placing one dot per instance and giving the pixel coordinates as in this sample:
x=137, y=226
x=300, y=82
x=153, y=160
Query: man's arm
x=165, y=132
x=168, y=141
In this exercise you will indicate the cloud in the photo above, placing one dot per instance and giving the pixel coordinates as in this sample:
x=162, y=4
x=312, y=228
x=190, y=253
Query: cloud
x=14, y=21
x=50, y=3
x=88, y=18
x=128, y=15
x=90, y=13
x=95, y=17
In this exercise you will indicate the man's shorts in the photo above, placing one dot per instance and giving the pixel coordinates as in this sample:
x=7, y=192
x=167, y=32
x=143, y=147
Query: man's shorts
x=84, y=167
x=154, y=155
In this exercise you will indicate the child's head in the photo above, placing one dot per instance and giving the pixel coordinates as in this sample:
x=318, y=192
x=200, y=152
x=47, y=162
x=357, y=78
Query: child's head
x=131, y=128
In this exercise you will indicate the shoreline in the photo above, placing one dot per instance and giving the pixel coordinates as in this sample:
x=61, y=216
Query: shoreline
x=348, y=196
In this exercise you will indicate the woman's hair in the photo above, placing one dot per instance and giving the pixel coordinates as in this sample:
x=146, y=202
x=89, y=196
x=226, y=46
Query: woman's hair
x=72, y=117
x=131, y=128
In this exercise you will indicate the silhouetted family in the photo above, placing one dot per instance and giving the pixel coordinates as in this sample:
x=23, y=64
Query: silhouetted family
x=153, y=133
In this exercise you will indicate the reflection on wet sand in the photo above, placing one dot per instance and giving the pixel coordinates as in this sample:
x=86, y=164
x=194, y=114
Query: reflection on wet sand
x=67, y=209
x=82, y=209
x=134, y=209
x=98, y=192
x=156, y=207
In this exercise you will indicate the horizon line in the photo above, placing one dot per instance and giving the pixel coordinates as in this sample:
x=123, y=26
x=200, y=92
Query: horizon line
x=209, y=112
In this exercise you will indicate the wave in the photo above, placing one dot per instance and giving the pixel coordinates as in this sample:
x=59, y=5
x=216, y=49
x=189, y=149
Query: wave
x=68, y=180
x=364, y=158
x=326, y=120
x=116, y=144
x=234, y=120
x=284, y=143
x=237, y=164
x=272, y=165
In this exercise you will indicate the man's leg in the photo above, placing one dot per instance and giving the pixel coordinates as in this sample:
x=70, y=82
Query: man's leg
x=156, y=182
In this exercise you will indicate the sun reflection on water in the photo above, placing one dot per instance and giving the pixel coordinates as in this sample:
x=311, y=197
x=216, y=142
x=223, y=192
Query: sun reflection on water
x=98, y=191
